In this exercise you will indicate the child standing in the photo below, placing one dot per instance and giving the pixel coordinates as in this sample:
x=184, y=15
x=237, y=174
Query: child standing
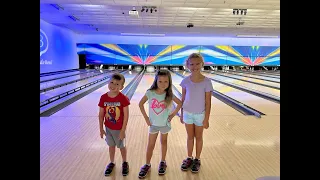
x=160, y=99
x=113, y=114
x=196, y=108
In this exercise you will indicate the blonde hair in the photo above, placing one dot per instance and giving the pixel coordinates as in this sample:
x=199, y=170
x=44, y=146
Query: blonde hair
x=194, y=56
x=154, y=86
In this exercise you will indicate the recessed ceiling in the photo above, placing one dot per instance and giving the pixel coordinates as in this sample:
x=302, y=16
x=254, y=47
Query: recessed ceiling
x=210, y=17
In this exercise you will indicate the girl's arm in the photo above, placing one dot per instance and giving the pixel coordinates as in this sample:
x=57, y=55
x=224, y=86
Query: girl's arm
x=207, y=110
x=182, y=101
x=143, y=111
x=179, y=105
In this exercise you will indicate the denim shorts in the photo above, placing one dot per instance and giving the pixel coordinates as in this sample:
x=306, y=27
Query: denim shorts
x=193, y=118
x=157, y=129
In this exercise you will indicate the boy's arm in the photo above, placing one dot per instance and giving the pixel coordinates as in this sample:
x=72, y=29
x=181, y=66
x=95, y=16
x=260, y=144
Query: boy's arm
x=101, y=118
x=125, y=118
x=101, y=121
x=126, y=103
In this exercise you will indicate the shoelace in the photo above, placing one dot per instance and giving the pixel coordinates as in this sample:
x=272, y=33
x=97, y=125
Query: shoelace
x=162, y=165
x=145, y=168
x=186, y=161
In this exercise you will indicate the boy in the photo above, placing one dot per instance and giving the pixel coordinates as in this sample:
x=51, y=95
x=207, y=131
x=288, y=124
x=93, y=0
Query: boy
x=113, y=114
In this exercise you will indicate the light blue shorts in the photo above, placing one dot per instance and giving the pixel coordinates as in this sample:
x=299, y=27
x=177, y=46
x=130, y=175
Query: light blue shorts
x=161, y=129
x=193, y=118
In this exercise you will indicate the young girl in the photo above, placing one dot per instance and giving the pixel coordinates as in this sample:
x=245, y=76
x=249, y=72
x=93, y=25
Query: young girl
x=160, y=99
x=196, y=108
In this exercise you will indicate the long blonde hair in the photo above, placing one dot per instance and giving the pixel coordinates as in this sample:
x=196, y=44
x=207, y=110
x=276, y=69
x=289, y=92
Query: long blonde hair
x=154, y=86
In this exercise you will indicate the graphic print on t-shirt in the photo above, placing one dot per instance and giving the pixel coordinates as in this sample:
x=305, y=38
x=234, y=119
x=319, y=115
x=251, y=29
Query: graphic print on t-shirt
x=157, y=106
x=112, y=111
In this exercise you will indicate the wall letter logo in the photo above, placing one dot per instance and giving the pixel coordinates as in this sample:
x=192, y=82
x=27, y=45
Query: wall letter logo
x=44, y=42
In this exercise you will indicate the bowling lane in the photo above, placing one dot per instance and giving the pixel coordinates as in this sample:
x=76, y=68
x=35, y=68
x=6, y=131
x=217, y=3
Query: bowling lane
x=217, y=106
x=265, y=106
x=262, y=76
x=251, y=78
x=256, y=87
x=88, y=105
x=63, y=74
x=268, y=72
x=68, y=79
x=266, y=75
x=141, y=90
x=63, y=89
